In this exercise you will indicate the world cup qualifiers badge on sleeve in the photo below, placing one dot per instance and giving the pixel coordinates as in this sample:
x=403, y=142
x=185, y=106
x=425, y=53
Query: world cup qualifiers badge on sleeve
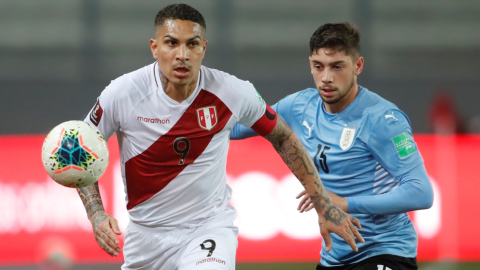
x=404, y=145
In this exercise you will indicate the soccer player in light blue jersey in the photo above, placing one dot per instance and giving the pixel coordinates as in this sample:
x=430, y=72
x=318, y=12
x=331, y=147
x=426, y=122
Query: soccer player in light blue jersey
x=363, y=148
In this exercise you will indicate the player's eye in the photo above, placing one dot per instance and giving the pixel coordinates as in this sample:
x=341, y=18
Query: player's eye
x=193, y=43
x=337, y=67
x=171, y=42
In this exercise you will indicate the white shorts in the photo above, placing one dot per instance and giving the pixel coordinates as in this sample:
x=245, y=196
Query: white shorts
x=200, y=245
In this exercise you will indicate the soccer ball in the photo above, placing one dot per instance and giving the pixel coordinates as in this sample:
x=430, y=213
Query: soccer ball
x=75, y=154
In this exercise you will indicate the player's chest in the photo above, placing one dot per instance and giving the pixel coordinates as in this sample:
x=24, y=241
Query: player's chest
x=336, y=148
x=153, y=118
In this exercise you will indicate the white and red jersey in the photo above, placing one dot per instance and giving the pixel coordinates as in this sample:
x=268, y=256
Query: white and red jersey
x=173, y=155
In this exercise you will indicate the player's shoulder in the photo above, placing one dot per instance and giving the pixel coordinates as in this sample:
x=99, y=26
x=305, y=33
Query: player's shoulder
x=301, y=98
x=135, y=84
x=378, y=110
x=214, y=80
x=373, y=104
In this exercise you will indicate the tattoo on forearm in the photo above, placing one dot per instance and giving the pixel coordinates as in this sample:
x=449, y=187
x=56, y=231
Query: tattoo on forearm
x=92, y=200
x=294, y=154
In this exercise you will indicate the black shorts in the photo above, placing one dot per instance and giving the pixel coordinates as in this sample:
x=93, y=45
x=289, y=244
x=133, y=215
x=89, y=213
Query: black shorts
x=380, y=262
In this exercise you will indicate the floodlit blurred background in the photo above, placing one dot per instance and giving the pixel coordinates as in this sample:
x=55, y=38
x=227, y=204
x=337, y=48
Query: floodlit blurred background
x=56, y=56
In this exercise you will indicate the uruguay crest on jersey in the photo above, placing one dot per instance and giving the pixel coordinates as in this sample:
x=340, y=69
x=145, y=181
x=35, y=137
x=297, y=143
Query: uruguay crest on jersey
x=207, y=117
x=346, y=140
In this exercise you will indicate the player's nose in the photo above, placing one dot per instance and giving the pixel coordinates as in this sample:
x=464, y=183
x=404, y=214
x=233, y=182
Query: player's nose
x=182, y=54
x=327, y=77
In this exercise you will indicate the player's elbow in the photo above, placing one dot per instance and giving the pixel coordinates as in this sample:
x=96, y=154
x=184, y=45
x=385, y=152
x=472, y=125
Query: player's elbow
x=426, y=198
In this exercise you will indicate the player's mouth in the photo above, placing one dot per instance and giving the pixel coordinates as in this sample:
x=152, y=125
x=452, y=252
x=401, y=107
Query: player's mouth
x=181, y=71
x=327, y=92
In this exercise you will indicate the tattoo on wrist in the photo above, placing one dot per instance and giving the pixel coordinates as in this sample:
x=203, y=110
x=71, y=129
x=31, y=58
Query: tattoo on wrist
x=92, y=200
x=334, y=215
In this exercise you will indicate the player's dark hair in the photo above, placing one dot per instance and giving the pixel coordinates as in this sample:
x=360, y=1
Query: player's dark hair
x=179, y=12
x=341, y=36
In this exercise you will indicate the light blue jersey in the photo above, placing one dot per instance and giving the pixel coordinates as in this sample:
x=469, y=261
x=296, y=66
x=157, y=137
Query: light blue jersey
x=362, y=152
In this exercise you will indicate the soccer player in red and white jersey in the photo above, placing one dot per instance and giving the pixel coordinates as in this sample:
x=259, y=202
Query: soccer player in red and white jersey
x=173, y=120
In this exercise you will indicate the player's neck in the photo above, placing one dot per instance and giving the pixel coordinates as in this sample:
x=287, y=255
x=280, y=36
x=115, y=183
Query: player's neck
x=178, y=92
x=339, y=106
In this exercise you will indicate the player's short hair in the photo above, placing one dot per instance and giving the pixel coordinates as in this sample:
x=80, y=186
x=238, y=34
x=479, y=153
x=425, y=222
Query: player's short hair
x=179, y=12
x=341, y=36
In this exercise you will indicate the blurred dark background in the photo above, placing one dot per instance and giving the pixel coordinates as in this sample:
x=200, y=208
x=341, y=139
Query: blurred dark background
x=57, y=56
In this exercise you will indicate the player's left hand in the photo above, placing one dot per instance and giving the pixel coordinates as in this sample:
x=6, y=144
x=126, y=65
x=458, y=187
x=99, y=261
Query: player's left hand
x=334, y=220
x=306, y=204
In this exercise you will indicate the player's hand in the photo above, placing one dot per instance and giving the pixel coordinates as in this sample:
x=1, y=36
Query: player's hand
x=334, y=220
x=105, y=227
x=306, y=204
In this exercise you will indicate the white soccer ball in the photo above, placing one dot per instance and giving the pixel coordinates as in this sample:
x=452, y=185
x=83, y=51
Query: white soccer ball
x=75, y=154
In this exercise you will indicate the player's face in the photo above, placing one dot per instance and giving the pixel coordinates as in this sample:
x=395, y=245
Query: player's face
x=179, y=47
x=335, y=75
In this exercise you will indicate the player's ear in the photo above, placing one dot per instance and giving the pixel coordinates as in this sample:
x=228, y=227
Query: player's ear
x=153, y=48
x=359, y=65
x=205, y=45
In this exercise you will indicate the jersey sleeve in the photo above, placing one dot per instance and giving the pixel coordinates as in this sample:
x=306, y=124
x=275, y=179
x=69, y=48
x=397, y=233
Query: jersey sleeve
x=254, y=112
x=103, y=114
x=414, y=193
x=391, y=142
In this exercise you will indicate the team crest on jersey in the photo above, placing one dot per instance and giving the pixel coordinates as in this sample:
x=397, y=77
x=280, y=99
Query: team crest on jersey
x=207, y=117
x=346, y=140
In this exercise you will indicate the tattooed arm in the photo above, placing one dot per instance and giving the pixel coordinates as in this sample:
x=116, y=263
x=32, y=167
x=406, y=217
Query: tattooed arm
x=104, y=226
x=331, y=218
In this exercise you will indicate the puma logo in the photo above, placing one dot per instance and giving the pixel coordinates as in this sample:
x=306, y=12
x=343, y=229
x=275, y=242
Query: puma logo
x=309, y=128
x=390, y=116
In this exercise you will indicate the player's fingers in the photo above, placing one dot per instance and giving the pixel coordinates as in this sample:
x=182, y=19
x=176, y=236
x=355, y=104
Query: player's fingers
x=109, y=242
x=328, y=241
x=106, y=247
x=110, y=238
x=310, y=207
x=301, y=194
x=350, y=240
x=114, y=226
x=102, y=233
x=356, y=233
x=356, y=222
x=301, y=204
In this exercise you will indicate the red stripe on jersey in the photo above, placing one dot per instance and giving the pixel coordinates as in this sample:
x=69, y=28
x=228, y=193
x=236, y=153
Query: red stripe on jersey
x=212, y=116
x=149, y=172
x=201, y=114
x=266, y=123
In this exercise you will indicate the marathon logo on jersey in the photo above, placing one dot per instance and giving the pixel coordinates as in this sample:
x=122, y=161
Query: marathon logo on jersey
x=207, y=117
x=153, y=120
x=346, y=140
x=213, y=259
x=96, y=114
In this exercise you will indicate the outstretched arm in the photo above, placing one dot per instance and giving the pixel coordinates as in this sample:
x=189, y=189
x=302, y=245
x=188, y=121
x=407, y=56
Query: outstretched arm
x=294, y=154
x=414, y=193
x=104, y=226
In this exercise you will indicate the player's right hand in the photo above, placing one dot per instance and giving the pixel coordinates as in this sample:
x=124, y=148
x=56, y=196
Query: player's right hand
x=105, y=227
x=334, y=220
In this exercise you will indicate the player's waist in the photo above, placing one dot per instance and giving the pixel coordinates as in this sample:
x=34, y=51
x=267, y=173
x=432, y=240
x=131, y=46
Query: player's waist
x=227, y=215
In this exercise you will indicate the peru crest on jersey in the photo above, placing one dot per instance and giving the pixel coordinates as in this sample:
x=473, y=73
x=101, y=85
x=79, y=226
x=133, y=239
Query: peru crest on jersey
x=207, y=117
